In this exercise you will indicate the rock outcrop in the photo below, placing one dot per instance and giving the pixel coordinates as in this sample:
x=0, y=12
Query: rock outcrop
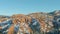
x=34, y=23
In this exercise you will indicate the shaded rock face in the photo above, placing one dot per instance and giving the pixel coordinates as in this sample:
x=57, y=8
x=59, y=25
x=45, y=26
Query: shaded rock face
x=56, y=21
x=4, y=26
x=35, y=26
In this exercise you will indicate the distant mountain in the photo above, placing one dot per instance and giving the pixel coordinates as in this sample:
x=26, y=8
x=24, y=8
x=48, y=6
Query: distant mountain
x=37, y=14
x=2, y=16
x=56, y=12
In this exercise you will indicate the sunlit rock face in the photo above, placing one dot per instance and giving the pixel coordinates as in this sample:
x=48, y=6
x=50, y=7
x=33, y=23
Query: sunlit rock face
x=28, y=25
x=24, y=22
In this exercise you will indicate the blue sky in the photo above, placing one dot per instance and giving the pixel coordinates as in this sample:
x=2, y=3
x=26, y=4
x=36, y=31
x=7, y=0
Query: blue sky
x=10, y=7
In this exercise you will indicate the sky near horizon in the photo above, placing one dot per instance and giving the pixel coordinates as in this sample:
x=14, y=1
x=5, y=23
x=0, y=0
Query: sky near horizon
x=10, y=7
